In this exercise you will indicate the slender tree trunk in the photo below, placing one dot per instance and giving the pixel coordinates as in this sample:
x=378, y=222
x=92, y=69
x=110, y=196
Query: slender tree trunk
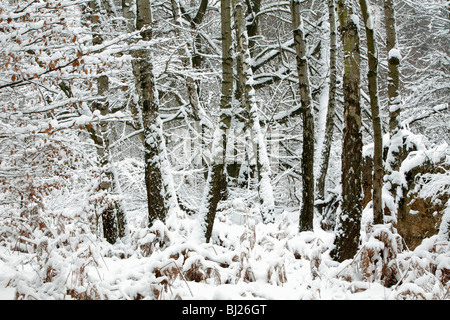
x=235, y=170
x=307, y=209
x=188, y=61
x=248, y=103
x=154, y=155
x=216, y=184
x=253, y=8
x=349, y=221
x=393, y=64
x=113, y=220
x=197, y=57
x=130, y=21
x=393, y=52
x=372, y=75
x=192, y=59
x=329, y=125
x=128, y=14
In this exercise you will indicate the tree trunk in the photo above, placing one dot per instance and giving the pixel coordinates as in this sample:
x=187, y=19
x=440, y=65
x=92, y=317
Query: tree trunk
x=188, y=61
x=197, y=58
x=113, y=219
x=372, y=76
x=154, y=155
x=130, y=20
x=396, y=141
x=393, y=64
x=216, y=184
x=253, y=8
x=248, y=103
x=349, y=221
x=128, y=14
x=307, y=209
x=329, y=125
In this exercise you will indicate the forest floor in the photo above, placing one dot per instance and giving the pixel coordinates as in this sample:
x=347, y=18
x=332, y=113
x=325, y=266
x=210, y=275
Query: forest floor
x=245, y=260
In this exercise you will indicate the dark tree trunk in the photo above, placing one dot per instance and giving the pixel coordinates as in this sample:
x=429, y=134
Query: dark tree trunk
x=216, y=184
x=153, y=138
x=307, y=209
x=372, y=75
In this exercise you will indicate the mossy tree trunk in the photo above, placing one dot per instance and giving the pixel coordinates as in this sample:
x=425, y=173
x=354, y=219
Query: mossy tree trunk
x=393, y=64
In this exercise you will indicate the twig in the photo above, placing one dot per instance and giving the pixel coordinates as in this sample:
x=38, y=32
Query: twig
x=182, y=275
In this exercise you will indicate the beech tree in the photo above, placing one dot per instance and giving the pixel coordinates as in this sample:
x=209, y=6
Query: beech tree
x=249, y=105
x=113, y=217
x=349, y=220
x=216, y=184
x=307, y=209
x=394, y=58
x=332, y=101
x=157, y=175
x=372, y=75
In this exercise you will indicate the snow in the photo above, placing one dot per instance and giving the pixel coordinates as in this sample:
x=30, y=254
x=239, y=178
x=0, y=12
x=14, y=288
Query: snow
x=395, y=53
x=370, y=22
x=355, y=19
x=52, y=245
x=253, y=261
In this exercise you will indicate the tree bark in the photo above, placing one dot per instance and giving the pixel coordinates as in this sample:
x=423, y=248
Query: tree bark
x=307, y=209
x=248, y=102
x=216, y=184
x=128, y=14
x=130, y=21
x=188, y=62
x=329, y=125
x=372, y=75
x=349, y=221
x=113, y=219
x=393, y=64
x=154, y=155
x=253, y=8
x=394, y=103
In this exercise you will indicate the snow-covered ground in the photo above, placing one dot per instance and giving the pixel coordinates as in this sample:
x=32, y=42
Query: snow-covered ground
x=55, y=251
x=246, y=260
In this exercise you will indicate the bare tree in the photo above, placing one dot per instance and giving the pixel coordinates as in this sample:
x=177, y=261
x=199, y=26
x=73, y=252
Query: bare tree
x=248, y=103
x=158, y=196
x=349, y=221
x=216, y=184
x=113, y=219
x=372, y=75
x=330, y=123
x=307, y=209
x=393, y=64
